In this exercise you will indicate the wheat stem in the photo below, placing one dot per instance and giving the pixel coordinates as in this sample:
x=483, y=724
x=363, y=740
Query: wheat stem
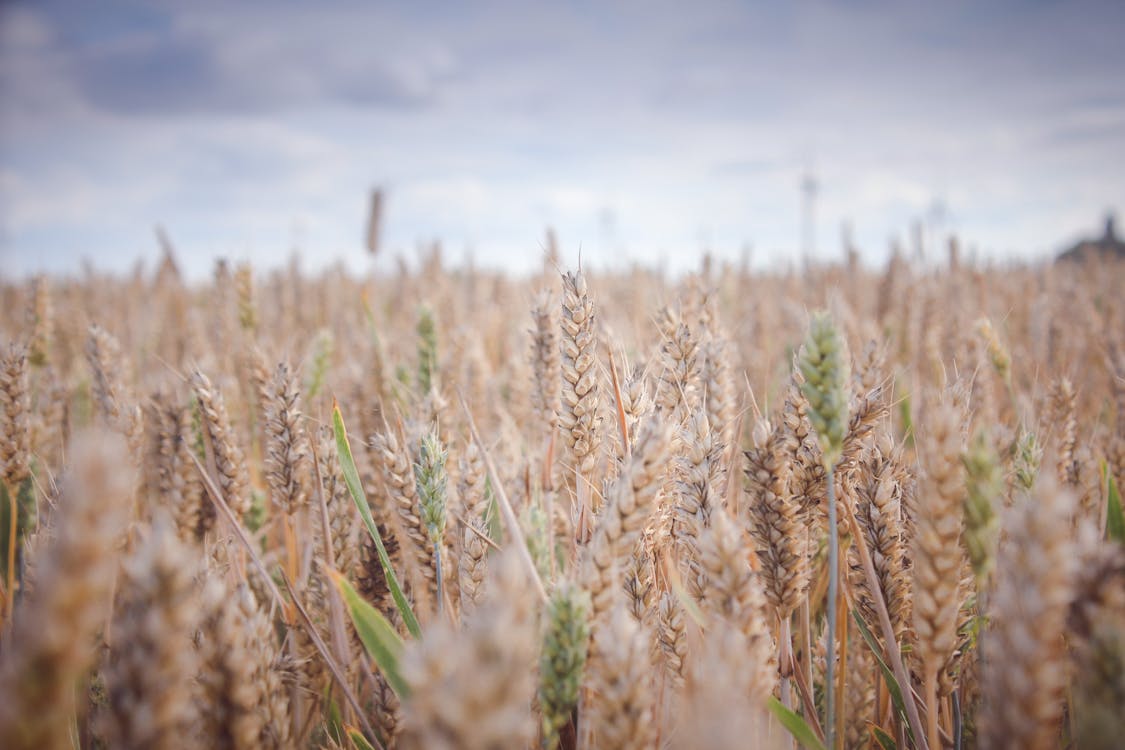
x=785, y=660
x=13, y=526
x=833, y=584
x=931, y=708
x=842, y=672
x=809, y=703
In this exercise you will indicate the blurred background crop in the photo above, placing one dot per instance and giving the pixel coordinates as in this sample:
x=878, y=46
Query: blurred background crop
x=639, y=131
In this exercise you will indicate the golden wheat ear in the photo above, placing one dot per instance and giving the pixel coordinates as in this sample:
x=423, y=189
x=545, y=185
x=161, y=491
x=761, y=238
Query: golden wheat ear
x=51, y=643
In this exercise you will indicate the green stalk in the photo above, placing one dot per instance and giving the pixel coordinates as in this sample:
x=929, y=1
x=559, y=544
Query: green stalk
x=823, y=362
x=440, y=582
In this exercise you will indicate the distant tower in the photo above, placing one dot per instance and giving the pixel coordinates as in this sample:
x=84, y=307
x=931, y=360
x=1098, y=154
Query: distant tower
x=375, y=221
x=809, y=189
x=847, y=242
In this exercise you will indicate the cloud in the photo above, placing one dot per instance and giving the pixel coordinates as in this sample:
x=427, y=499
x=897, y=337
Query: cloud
x=177, y=60
x=233, y=123
x=151, y=74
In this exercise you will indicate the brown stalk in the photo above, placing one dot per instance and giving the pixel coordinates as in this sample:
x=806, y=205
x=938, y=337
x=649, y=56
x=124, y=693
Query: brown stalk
x=335, y=607
x=477, y=532
x=785, y=659
x=13, y=525
x=804, y=610
x=328, y=660
x=931, y=712
x=291, y=556
x=893, y=651
x=620, y=406
x=221, y=505
x=809, y=703
x=505, y=507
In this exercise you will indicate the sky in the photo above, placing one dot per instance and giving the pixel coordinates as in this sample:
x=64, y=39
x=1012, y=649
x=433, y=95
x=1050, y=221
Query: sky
x=640, y=131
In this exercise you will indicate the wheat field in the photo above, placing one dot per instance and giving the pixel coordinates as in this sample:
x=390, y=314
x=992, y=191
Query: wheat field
x=448, y=508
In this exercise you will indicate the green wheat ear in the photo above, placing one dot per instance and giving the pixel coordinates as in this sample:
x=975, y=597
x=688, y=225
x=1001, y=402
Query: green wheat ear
x=321, y=359
x=1026, y=463
x=427, y=349
x=563, y=658
x=534, y=521
x=984, y=485
x=431, y=478
x=823, y=362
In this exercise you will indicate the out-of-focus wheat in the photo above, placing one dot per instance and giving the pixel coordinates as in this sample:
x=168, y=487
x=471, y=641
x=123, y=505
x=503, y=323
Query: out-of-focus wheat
x=51, y=643
x=1023, y=651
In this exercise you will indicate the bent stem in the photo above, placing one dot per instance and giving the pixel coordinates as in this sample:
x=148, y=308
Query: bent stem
x=506, y=510
x=224, y=510
x=891, y=645
x=809, y=703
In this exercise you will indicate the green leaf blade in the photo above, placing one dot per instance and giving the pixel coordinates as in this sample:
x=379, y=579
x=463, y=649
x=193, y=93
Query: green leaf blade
x=383, y=644
x=351, y=478
x=24, y=507
x=888, y=675
x=885, y=740
x=1115, y=518
x=358, y=740
x=796, y=725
